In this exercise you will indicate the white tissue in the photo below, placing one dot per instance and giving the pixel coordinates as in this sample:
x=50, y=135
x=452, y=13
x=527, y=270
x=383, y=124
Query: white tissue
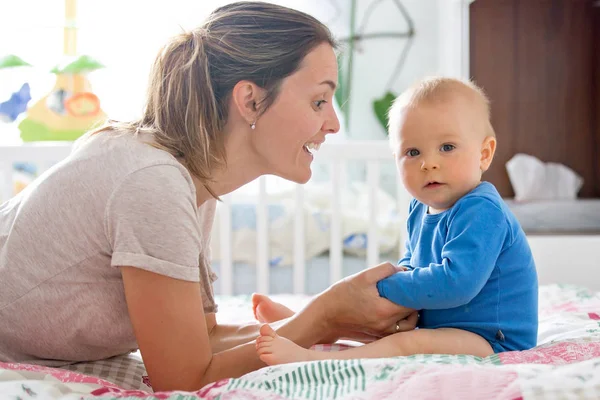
x=532, y=179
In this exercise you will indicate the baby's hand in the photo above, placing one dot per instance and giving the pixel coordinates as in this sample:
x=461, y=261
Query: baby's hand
x=402, y=268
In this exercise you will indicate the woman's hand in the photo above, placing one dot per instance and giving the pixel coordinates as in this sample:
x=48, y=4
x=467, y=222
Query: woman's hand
x=407, y=324
x=354, y=304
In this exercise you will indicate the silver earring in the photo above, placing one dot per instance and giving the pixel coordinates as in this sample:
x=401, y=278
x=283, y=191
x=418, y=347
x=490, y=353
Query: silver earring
x=253, y=126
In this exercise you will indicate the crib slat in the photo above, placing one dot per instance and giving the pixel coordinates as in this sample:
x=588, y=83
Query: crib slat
x=335, y=249
x=372, y=238
x=299, y=243
x=262, y=240
x=344, y=182
x=403, y=199
x=226, y=270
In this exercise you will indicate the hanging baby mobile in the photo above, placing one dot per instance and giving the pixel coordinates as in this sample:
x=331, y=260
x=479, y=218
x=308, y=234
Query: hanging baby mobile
x=70, y=109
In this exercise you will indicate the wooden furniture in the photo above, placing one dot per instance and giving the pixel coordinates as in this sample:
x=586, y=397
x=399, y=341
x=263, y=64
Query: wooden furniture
x=539, y=62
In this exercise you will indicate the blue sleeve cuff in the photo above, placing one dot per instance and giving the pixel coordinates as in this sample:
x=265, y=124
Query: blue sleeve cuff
x=381, y=290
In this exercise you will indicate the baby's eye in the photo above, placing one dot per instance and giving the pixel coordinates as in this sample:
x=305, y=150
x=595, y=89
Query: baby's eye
x=412, y=152
x=448, y=147
x=319, y=103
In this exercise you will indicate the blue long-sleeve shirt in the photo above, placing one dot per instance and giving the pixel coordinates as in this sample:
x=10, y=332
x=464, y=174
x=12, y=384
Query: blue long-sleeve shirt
x=471, y=268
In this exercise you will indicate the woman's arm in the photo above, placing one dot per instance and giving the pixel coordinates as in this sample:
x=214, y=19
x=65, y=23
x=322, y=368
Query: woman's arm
x=171, y=331
x=224, y=337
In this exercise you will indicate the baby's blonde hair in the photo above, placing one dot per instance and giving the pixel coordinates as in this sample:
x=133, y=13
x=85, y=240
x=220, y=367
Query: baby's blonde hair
x=434, y=90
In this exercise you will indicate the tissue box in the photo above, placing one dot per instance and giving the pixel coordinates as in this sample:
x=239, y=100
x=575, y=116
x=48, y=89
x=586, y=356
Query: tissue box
x=533, y=179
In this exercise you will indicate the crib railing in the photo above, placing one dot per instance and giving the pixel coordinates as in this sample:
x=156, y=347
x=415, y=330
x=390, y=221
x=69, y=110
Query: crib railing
x=337, y=155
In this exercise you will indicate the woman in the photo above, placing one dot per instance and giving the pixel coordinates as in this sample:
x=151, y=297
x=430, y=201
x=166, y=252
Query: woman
x=107, y=251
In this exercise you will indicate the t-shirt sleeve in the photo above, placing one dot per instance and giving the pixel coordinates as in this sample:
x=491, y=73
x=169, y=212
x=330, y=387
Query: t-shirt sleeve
x=476, y=237
x=151, y=223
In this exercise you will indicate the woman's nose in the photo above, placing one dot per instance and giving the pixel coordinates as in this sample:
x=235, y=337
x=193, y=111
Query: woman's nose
x=332, y=123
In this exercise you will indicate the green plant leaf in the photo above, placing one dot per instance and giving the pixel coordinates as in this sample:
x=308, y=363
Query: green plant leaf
x=381, y=107
x=340, y=93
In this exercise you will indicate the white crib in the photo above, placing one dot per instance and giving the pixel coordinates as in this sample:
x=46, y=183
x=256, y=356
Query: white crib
x=559, y=259
x=338, y=155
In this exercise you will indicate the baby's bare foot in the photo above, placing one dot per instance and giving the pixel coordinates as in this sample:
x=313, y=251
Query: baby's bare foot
x=273, y=349
x=266, y=310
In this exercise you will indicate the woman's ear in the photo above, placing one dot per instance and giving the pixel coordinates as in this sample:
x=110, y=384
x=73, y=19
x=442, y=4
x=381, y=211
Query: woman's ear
x=246, y=97
x=488, y=148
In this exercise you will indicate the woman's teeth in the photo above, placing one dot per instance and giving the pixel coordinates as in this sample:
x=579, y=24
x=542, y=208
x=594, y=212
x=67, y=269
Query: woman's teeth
x=312, y=147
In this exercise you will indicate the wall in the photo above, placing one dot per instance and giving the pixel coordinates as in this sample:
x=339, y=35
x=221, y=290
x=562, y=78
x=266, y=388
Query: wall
x=375, y=59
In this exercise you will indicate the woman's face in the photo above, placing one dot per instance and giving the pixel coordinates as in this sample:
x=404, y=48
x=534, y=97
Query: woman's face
x=300, y=118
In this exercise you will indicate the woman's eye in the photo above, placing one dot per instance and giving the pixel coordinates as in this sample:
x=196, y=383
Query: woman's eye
x=448, y=147
x=319, y=103
x=413, y=153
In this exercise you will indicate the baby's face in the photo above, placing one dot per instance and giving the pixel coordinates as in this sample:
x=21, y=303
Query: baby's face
x=438, y=151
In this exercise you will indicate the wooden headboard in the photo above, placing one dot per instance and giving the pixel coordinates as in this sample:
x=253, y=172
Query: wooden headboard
x=539, y=62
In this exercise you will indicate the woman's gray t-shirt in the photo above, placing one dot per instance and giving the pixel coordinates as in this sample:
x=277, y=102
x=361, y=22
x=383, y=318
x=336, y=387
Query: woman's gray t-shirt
x=115, y=201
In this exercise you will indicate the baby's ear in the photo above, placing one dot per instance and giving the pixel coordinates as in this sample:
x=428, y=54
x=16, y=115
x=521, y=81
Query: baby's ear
x=488, y=148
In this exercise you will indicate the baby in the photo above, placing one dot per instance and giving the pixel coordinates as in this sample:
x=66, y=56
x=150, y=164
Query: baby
x=468, y=267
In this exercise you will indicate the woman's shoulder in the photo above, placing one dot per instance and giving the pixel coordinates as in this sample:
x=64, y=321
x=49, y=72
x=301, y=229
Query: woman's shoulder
x=116, y=154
